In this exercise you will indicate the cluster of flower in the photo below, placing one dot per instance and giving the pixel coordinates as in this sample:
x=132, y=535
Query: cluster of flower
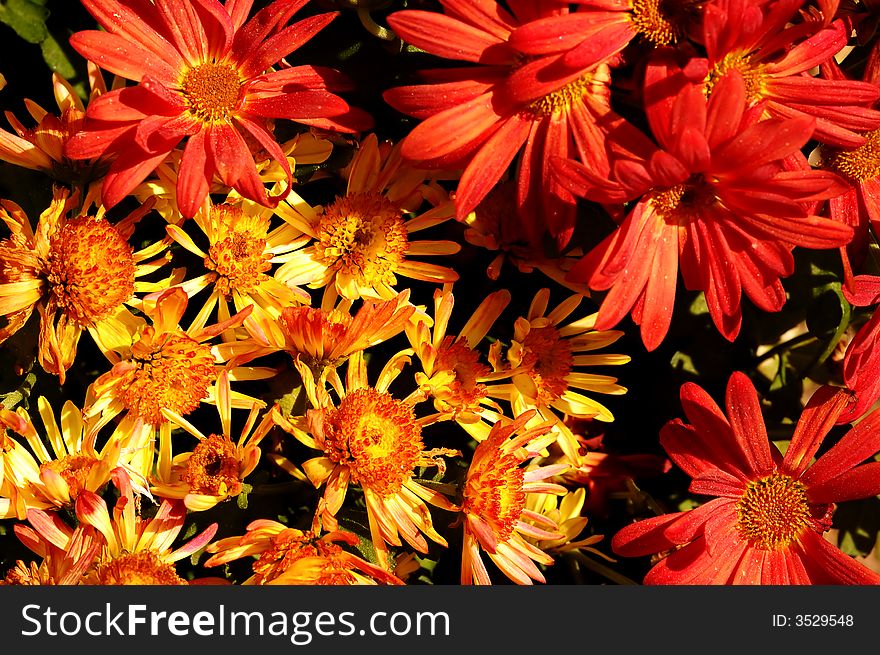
x=684, y=120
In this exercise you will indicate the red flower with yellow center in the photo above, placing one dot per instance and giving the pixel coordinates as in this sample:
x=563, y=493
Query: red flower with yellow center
x=289, y=556
x=203, y=72
x=494, y=503
x=766, y=524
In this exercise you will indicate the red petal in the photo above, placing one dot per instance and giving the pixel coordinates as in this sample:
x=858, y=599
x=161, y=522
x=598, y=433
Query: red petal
x=857, y=483
x=747, y=423
x=767, y=141
x=827, y=564
x=264, y=23
x=488, y=14
x=122, y=57
x=660, y=290
x=450, y=130
x=449, y=38
x=817, y=418
x=297, y=105
x=194, y=178
x=860, y=443
x=285, y=42
x=130, y=169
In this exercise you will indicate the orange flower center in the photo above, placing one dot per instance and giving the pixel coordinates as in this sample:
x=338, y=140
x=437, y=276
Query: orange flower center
x=172, y=372
x=213, y=469
x=376, y=436
x=561, y=99
x=239, y=254
x=494, y=488
x=753, y=75
x=464, y=392
x=547, y=360
x=362, y=236
x=289, y=547
x=773, y=512
x=212, y=91
x=90, y=268
x=860, y=164
x=663, y=22
x=74, y=469
x=140, y=568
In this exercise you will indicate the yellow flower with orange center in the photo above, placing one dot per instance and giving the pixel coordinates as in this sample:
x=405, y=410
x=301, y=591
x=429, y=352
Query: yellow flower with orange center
x=363, y=240
x=372, y=439
x=78, y=272
x=288, y=556
x=495, y=496
x=215, y=469
x=34, y=477
x=135, y=550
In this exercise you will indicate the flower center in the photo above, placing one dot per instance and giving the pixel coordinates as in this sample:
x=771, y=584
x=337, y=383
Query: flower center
x=464, y=392
x=141, y=568
x=172, y=372
x=212, y=91
x=376, y=436
x=494, y=488
x=91, y=269
x=773, y=512
x=547, y=360
x=239, y=254
x=363, y=236
x=213, y=469
x=561, y=99
x=74, y=469
x=682, y=203
x=663, y=22
x=860, y=164
x=753, y=75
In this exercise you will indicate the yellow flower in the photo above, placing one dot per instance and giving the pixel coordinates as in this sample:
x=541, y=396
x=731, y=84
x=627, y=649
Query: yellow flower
x=362, y=240
x=496, y=518
x=288, y=556
x=79, y=273
x=452, y=371
x=34, y=477
x=215, y=469
x=565, y=512
x=137, y=551
x=373, y=440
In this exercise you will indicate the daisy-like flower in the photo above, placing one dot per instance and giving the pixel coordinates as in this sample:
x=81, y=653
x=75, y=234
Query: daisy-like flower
x=773, y=57
x=495, y=494
x=721, y=198
x=239, y=258
x=137, y=551
x=545, y=357
x=203, y=72
x=767, y=522
x=78, y=273
x=453, y=374
x=284, y=555
x=215, y=469
x=520, y=101
x=65, y=555
x=33, y=476
x=373, y=440
x=161, y=368
x=362, y=240
x=41, y=147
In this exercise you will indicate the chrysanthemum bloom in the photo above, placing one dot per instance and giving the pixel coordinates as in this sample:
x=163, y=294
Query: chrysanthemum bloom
x=285, y=555
x=40, y=478
x=160, y=368
x=204, y=73
x=566, y=513
x=363, y=240
x=520, y=98
x=215, y=469
x=41, y=147
x=66, y=554
x=453, y=374
x=77, y=272
x=545, y=358
x=766, y=524
x=496, y=490
x=373, y=440
x=239, y=259
x=773, y=56
x=137, y=551
x=721, y=199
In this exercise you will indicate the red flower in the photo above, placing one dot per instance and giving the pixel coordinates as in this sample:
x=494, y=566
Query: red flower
x=774, y=56
x=724, y=197
x=202, y=74
x=520, y=99
x=766, y=524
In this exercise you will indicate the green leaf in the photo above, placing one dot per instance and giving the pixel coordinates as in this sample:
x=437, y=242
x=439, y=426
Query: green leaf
x=57, y=59
x=27, y=18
